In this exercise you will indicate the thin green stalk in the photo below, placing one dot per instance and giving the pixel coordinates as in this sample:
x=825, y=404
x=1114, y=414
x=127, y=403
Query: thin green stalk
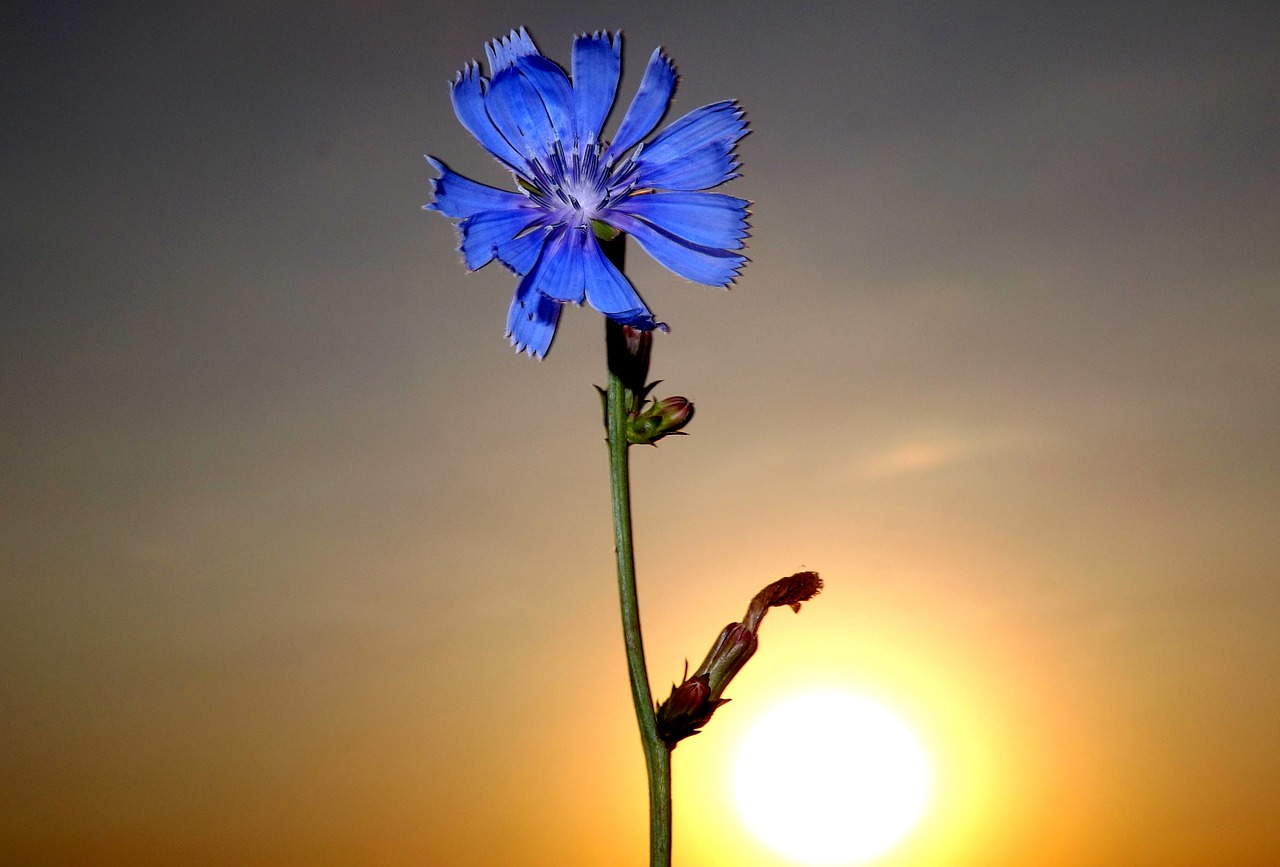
x=656, y=755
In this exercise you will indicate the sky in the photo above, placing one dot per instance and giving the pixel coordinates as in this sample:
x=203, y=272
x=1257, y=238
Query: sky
x=300, y=563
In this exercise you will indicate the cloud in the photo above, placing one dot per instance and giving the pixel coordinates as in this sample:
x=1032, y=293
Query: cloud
x=921, y=453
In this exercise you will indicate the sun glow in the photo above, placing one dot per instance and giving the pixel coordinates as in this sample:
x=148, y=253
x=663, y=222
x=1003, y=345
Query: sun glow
x=831, y=778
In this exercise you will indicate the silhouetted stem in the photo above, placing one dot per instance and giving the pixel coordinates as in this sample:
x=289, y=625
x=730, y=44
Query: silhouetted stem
x=656, y=755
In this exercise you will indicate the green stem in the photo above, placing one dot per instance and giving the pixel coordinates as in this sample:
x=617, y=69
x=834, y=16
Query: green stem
x=656, y=755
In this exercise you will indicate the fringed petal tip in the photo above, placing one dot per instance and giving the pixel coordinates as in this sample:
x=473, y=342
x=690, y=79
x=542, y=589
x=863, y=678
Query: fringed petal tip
x=739, y=115
x=732, y=279
x=461, y=250
x=614, y=39
x=661, y=54
x=735, y=117
x=532, y=321
x=435, y=182
x=525, y=349
x=503, y=52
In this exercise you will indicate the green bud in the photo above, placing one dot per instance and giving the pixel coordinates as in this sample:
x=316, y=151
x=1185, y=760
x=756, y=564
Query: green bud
x=658, y=419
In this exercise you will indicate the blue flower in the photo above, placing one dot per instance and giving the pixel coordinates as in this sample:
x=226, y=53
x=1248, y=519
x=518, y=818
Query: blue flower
x=545, y=127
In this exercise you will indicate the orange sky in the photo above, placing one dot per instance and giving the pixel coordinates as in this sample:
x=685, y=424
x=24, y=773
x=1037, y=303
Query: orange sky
x=300, y=565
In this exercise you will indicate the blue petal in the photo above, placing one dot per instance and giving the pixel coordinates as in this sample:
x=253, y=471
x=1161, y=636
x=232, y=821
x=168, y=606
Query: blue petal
x=558, y=273
x=483, y=233
x=610, y=292
x=718, y=122
x=705, y=219
x=696, y=152
x=531, y=321
x=708, y=166
x=649, y=105
x=701, y=264
x=518, y=112
x=553, y=88
x=521, y=252
x=458, y=197
x=597, y=64
x=467, y=95
x=504, y=52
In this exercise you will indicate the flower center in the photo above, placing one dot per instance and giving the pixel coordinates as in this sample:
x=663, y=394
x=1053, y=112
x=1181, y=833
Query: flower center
x=575, y=187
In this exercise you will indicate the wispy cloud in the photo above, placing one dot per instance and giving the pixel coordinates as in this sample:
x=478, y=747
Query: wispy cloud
x=919, y=453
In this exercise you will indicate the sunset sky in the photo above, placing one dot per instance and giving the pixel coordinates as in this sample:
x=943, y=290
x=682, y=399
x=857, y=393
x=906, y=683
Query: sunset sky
x=300, y=564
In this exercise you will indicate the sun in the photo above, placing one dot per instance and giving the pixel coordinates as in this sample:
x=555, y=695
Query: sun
x=831, y=778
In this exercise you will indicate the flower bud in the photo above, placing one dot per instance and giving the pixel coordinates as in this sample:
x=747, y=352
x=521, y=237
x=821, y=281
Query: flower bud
x=657, y=419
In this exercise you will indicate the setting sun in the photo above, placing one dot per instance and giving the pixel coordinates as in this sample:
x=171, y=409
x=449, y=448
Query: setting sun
x=830, y=778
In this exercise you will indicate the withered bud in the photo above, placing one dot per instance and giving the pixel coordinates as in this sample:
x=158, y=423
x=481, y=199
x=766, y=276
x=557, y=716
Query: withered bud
x=686, y=710
x=790, y=591
x=639, y=342
x=736, y=644
x=691, y=704
x=629, y=350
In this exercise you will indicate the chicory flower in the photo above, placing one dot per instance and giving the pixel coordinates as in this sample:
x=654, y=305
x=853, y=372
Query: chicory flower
x=545, y=127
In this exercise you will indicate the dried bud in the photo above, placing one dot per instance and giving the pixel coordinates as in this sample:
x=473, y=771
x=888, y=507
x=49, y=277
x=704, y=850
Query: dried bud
x=691, y=704
x=658, y=419
x=736, y=644
x=639, y=343
x=790, y=591
x=629, y=350
x=686, y=710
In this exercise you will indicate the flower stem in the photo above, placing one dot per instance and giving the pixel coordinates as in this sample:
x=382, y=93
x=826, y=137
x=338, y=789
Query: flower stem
x=656, y=755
